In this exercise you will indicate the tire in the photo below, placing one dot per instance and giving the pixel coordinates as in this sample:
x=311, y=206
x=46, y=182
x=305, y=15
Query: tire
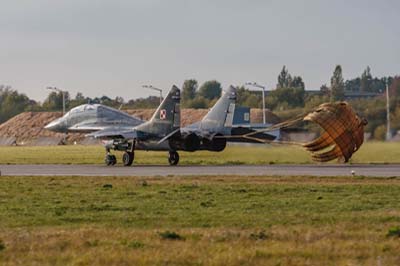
x=173, y=158
x=127, y=158
x=114, y=160
x=110, y=160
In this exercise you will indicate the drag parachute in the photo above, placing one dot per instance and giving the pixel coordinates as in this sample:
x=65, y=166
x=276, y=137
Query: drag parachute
x=343, y=132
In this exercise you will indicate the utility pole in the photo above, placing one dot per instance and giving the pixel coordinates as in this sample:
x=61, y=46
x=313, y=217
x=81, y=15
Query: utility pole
x=63, y=96
x=64, y=141
x=388, y=134
x=254, y=84
x=154, y=88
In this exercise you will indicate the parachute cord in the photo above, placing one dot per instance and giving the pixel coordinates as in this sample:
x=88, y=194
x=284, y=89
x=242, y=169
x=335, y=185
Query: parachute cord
x=250, y=135
x=279, y=125
x=285, y=142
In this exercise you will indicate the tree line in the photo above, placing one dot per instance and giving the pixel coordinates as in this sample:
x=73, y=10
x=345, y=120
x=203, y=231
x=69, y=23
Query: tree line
x=287, y=98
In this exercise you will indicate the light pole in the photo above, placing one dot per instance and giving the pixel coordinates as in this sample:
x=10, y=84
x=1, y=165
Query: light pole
x=154, y=88
x=388, y=134
x=255, y=84
x=63, y=96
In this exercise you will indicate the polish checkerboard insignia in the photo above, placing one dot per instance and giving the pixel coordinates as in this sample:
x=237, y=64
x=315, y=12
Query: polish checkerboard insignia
x=163, y=114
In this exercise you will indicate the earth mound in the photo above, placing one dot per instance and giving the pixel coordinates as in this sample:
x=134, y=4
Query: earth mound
x=28, y=128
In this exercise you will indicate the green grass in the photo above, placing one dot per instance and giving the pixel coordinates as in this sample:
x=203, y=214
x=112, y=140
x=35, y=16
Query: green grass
x=199, y=221
x=371, y=152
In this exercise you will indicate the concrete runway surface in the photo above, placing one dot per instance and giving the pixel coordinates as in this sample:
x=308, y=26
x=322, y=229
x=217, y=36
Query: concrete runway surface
x=157, y=170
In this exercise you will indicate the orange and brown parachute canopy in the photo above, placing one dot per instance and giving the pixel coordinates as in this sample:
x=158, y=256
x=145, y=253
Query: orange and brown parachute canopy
x=343, y=132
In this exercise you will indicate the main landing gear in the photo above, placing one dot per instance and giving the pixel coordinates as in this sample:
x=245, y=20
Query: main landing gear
x=128, y=157
x=173, y=158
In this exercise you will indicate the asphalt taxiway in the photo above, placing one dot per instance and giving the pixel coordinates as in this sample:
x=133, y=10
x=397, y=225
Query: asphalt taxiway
x=391, y=170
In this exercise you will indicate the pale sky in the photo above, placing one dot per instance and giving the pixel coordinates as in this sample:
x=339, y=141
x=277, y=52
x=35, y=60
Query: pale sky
x=113, y=47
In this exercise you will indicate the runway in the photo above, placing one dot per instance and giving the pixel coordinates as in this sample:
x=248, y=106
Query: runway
x=157, y=170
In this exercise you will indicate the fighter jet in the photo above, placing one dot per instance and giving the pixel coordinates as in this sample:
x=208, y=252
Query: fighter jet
x=92, y=117
x=162, y=132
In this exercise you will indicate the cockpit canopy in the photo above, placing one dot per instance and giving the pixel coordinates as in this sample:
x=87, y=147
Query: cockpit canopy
x=82, y=108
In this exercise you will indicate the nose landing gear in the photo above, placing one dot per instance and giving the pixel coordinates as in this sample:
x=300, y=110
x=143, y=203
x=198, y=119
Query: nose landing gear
x=127, y=146
x=110, y=159
x=173, y=158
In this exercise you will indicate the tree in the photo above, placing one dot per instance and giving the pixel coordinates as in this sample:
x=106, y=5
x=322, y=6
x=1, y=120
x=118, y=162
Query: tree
x=78, y=100
x=245, y=97
x=394, y=88
x=210, y=89
x=380, y=132
x=199, y=102
x=79, y=97
x=337, y=85
x=149, y=102
x=352, y=85
x=284, y=79
x=12, y=103
x=366, y=80
x=290, y=92
x=54, y=101
x=325, y=90
x=189, y=89
x=119, y=100
x=288, y=97
x=297, y=82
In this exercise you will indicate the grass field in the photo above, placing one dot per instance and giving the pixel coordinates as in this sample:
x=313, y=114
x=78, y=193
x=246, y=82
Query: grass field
x=370, y=152
x=224, y=220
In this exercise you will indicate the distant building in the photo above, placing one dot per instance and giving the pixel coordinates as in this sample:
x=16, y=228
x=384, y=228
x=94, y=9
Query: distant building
x=350, y=95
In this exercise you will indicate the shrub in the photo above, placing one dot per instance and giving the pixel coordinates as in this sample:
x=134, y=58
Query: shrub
x=171, y=235
x=393, y=232
x=135, y=244
x=259, y=236
x=380, y=132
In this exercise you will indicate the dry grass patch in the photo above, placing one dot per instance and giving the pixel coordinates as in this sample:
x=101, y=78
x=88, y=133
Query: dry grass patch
x=298, y=245
x=226, y=220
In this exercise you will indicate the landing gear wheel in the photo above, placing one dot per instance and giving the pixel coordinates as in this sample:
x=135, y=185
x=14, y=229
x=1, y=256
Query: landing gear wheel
x=127, y=158
x=110, y=159
x=173, y=158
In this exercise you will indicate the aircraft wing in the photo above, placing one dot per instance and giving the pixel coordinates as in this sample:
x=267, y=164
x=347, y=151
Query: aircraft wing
x=86, y=127
x=176, y=132
x=112, y=133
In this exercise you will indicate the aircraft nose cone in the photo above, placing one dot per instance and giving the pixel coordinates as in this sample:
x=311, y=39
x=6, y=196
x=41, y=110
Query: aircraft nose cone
x=53, y=125
x=50, y=125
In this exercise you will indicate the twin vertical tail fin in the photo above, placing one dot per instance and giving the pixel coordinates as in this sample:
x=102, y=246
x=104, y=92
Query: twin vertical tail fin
x=221, y=114
x=166, y=118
